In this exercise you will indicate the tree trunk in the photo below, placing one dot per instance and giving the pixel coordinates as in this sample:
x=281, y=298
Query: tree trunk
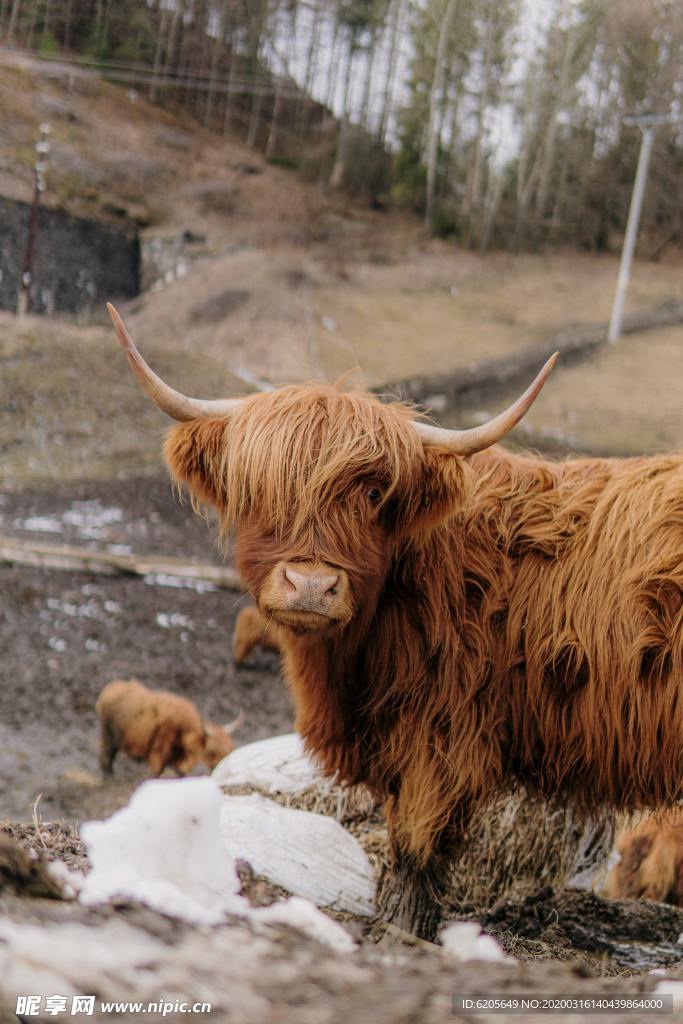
x=216, y=50
x=339, y=168
x=472, y=203
x=67, y=25
x=158, y=53
x=255, y=116
x=313, y=48
x=367, y=88
x=227, y=113
x=334, y=70
x=388, y=96
x=13, y=19
x=271, y=146
x=32, y=24
x=433, y=132
x=550, y=140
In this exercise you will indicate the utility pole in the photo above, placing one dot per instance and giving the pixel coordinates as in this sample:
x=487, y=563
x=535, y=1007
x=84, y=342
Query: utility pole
x=42, y=150
x=648, y=124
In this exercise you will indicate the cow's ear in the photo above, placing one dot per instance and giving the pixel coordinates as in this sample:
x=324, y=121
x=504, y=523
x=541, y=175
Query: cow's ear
x=440, y=490
x=194, y=452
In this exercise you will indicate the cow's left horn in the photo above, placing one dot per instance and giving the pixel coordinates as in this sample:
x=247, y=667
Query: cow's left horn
x=170, y=401
x=467, y=442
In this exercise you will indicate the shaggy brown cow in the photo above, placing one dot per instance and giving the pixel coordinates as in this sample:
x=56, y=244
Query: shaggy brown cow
x=161, y=728
x=651, y=863
x=457, y=619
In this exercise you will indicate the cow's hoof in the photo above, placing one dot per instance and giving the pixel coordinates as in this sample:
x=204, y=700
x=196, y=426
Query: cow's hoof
x=411, y=905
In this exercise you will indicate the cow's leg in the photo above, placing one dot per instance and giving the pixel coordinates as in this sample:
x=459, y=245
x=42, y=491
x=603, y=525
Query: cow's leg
x=160, y=752
x=252, y=629
x=108, y=747
x=413, y=893
x=415, y=889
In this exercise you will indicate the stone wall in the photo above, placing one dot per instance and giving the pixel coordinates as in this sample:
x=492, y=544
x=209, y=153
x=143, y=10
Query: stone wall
x=79, y=264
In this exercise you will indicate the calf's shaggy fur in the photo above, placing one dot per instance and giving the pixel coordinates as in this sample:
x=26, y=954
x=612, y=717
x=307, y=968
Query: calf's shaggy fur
x=161, y=728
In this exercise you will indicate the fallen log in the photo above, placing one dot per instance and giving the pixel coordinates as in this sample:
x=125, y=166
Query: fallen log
x=156, y=569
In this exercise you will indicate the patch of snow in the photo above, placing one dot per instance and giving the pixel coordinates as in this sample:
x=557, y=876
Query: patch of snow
x=70, y=880
x=466, y=940
x=90, y=610
x=56, y=643
x=164, y=848
x=308, y=854
x=173, y=620
x=160, y=579
x=276, y=765
x=301, y=914
x=119, y=549
x=94, y=645
x=39, y=524
x=90, y=518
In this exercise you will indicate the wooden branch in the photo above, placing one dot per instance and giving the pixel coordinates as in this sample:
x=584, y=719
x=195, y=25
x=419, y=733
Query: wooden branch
x=66, y=558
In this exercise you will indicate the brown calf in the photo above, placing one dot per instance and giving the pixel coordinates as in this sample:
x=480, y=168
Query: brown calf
x=163, y=729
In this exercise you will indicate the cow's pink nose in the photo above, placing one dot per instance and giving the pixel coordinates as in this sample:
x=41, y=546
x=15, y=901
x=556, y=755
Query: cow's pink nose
x=312, y=582
x=311, y=588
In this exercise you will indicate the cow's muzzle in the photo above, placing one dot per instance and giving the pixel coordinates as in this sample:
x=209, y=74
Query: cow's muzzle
x=307, y=596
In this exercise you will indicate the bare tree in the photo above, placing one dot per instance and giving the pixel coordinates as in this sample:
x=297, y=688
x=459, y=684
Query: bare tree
x=433, y=128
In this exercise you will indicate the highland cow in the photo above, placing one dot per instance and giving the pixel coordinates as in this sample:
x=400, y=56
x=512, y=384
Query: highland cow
x=458, y=618
x=651, y=860
x=161, y=728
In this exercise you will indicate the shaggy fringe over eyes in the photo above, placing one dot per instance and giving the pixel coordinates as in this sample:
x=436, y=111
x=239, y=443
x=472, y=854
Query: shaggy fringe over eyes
x=285, y=459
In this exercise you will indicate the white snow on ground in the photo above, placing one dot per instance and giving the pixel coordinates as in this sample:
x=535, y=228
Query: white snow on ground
x=173, y=620
x=277, y=764
x=90, y=519
x=39, y=524
x=165, y=850
x=308, y=854
x=465, y=940
x=161, y=579
x=301, y=914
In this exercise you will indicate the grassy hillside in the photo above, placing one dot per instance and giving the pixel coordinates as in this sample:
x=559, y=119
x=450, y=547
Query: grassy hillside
x=290, y=283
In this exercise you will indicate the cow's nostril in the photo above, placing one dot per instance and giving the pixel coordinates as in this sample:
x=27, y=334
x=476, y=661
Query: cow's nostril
x=289, y=581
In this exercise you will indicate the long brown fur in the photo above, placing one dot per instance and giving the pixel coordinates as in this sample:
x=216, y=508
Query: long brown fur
x=515, y=619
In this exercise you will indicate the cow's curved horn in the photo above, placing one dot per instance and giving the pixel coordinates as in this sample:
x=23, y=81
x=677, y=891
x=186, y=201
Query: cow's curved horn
x=172, y=402
x=231, y=727
x=467, y=442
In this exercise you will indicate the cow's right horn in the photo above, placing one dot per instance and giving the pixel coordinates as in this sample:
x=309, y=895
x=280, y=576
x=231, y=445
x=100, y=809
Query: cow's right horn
x=476, y=439
x=172, y=402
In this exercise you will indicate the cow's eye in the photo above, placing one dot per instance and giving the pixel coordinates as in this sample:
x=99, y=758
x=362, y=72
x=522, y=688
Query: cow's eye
x=374, y=495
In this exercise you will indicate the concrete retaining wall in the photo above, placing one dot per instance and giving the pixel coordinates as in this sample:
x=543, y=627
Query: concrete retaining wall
x=79, y=264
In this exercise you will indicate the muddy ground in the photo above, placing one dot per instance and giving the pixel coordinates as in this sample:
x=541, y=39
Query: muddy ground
x=64, y=635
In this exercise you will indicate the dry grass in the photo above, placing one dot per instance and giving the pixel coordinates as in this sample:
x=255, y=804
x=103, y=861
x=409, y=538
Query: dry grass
x=626, y=398
x=514, y=847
